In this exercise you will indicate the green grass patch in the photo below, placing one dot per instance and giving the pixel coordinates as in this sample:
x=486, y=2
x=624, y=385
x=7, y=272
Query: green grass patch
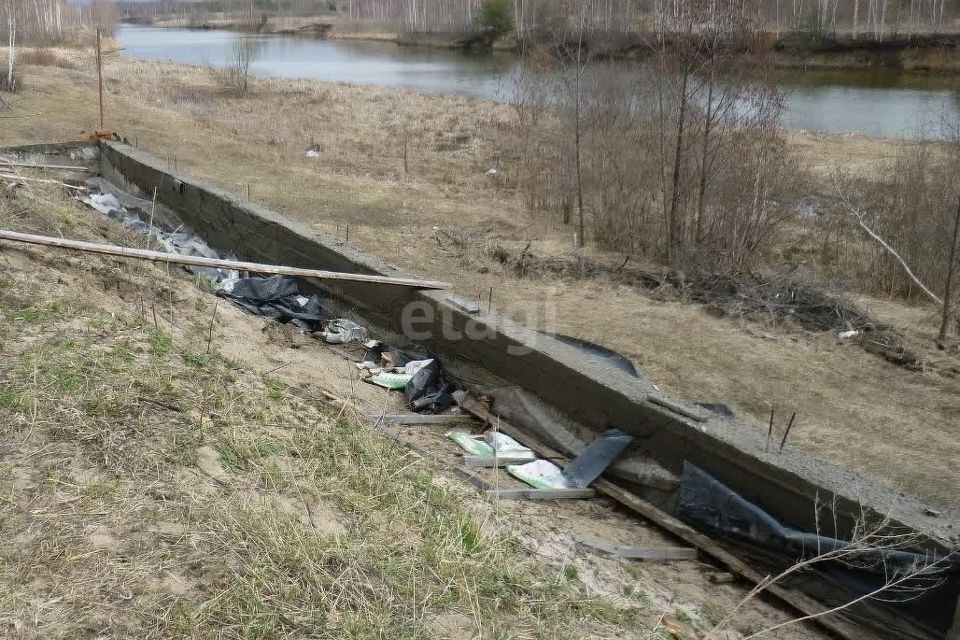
x=231, y=458
x=8, y=398
x=161, y=344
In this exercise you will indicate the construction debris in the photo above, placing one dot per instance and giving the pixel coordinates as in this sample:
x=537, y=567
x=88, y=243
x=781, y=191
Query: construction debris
x=409, y=419
x=276, y=297
x=342, y=331
x=595, y=459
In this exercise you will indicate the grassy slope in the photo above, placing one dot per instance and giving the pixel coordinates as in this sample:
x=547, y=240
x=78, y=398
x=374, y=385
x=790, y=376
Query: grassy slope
x=853, y=408
x=154, y=487
x=155, y=484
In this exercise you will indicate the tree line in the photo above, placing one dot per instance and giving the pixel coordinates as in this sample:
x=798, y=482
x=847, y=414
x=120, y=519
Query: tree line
x=683, y=160
x=48, y=22
x=854, y=18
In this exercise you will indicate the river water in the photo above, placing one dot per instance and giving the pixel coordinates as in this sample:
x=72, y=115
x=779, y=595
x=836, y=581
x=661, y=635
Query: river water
x=881, y=102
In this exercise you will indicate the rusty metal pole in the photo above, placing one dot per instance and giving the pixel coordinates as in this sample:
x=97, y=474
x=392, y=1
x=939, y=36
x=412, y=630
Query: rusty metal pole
x=100, y=77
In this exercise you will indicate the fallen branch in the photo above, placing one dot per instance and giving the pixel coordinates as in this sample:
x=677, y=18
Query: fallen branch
x=174, y=258
x=858, y=215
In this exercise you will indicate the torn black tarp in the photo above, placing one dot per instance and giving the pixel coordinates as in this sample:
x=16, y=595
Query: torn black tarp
x=714, y=508
x=275, y=297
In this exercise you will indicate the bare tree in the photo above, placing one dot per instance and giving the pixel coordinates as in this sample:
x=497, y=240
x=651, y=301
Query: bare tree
x=235, y=75
x=620, y=142
x=951, y=268
x=11, y=48
x=575, y=59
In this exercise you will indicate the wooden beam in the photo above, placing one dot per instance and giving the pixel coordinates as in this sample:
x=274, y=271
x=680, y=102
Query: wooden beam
x=490, y=461
x=416, y=418
x=14, y=178
x=542, y=494
x=797, y=600
x=175, y=258
x=662, y=554
x=59, y=167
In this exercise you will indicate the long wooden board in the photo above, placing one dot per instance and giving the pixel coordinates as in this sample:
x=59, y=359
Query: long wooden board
x=31, y=165
x=662, y=554
x=175, y=258
x=411, y=419
x=542, y=494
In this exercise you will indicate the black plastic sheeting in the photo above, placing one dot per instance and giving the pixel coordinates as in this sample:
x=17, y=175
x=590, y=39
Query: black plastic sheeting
x=275, y=297
x=611, y=358
x=599, y=353
x=428, y=391
x=712, y=507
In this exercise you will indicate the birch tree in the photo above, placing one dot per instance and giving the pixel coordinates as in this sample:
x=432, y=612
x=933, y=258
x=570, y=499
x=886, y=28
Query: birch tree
x=11, y=49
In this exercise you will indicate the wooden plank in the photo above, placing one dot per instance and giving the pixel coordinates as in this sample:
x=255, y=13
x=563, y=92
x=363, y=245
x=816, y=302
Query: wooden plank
x=174, y=258
x=14, y=178
x=30, y=165
x=797, y=600
x=722, y=578
x=639, y=553
x=489, y=462
x=416, y=418
x=542, y=494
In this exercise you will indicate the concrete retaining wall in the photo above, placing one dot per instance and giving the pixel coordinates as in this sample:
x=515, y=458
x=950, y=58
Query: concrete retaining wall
x=599, y=397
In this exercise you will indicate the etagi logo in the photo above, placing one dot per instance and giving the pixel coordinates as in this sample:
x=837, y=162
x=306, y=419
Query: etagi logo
x=424, y=321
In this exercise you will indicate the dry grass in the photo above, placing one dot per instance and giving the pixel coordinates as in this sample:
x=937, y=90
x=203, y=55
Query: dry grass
x=853, y=408
x=153, y=489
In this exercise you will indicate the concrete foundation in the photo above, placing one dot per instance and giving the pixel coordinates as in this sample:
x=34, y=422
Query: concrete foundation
x=489, y=350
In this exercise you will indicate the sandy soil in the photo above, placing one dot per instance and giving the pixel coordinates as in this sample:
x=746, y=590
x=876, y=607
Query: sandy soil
x=892, y=425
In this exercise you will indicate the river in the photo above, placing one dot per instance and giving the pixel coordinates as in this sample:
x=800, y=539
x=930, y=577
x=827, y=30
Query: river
x=876, y=102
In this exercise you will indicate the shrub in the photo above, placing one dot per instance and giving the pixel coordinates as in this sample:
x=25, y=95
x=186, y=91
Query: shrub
x=495, y=16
